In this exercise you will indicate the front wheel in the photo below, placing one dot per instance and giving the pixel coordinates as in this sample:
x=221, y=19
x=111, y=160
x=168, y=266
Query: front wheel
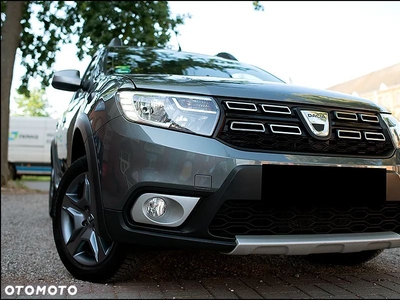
x=345, y=259
x=84, y=253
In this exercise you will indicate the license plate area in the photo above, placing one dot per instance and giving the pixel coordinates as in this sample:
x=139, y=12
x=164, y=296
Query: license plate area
x=292, y=184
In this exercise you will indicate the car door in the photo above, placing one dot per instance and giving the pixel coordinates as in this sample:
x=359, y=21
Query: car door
x=65, y=127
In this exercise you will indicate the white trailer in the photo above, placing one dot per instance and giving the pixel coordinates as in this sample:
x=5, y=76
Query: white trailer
x=29, y=143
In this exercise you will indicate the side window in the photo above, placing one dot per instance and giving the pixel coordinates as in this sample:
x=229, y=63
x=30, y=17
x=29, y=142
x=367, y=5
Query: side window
x=90, y=70
x=87, y=77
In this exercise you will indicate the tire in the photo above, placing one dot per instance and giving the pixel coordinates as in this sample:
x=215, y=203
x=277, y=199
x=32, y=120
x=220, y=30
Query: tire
x=344, y=259
x=83, y=252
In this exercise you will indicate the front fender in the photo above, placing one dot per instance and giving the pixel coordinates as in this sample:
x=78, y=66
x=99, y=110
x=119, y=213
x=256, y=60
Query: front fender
x=83, y=126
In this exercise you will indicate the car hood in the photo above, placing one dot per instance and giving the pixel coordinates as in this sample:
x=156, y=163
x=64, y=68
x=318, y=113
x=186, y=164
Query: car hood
x=221, y=87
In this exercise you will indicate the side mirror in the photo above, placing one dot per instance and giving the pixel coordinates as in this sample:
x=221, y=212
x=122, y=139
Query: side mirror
x=67, y=80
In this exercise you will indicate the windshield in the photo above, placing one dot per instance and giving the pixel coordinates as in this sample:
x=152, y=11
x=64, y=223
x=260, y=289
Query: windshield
x=131, y=60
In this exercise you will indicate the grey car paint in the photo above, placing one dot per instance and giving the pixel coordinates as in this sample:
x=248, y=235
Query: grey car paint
x=168, y=154
x=204, y=156
x=254, y=90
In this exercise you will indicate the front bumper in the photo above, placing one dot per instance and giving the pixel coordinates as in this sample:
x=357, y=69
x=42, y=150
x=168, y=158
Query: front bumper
x=152, y=160
x=202, y=228
x=315, y=243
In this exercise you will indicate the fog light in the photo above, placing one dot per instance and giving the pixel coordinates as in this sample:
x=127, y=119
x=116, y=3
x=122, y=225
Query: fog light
x=155, y=207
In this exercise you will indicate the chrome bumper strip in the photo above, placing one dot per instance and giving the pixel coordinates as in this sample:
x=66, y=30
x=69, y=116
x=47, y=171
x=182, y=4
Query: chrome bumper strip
x=314, y=243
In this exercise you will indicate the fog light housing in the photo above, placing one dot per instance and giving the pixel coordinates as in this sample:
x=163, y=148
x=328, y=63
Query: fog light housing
x=162, y=209
x=155, y=207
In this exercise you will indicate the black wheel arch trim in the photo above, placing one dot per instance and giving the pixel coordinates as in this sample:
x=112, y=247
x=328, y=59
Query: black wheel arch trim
x=83, y=125
x=55, y=164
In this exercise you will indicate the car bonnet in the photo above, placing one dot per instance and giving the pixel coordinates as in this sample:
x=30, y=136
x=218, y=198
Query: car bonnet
x=244, y=89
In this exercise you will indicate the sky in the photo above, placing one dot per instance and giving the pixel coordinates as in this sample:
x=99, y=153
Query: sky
x=311, y=43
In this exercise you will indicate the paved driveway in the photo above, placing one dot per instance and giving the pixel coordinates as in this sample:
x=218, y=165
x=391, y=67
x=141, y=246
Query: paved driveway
x=29, y=260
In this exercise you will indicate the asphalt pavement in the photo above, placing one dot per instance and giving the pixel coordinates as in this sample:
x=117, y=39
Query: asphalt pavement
x=31, y=269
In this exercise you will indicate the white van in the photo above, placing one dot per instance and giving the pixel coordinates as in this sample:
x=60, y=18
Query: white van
x=29, y=141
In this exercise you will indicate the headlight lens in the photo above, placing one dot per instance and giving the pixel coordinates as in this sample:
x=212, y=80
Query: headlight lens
x=394, y=128
x=188, y=113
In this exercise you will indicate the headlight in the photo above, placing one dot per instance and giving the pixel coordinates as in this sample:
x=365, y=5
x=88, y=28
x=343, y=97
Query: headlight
x=394, y=128
x=189, y=113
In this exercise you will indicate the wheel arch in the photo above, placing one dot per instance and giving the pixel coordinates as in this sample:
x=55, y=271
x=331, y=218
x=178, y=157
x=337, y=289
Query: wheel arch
x=56, y=166
x=83, y=144
x=78, y=145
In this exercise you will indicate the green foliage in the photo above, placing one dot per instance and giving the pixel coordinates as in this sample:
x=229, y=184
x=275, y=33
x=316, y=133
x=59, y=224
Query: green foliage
x=136, y=23
x=46, y=25
x=49, y=24
x=34, y=105
x=258, y=6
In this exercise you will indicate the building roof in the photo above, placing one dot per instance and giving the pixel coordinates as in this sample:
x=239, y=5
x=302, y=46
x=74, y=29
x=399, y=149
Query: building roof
x=390, y=76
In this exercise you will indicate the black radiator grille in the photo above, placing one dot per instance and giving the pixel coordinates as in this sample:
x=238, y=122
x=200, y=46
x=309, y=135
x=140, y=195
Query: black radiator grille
x=273, y=127
x=241, y=217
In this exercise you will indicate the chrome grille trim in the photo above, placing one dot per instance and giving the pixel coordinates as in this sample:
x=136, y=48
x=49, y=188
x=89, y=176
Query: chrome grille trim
x=369, y=118
x=290, y=140
x=349, y=134
x=270, y=109
x=275, y=128
x=236, y=126
x=374, y=136
x=241, y=106
x=341, y=115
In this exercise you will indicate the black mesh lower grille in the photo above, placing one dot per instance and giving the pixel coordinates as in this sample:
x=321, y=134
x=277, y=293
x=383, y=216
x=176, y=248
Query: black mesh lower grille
x=255, y=218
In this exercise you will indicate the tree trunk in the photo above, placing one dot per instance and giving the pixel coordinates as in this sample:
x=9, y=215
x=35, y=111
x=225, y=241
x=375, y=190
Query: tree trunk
x=11, y=36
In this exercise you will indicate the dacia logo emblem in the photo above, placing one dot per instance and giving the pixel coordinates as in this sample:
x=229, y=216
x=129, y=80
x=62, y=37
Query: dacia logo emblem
x=317, y=122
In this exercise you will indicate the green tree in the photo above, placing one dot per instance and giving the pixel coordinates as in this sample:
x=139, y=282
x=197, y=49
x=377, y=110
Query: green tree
x=10, y=39
x=36, y=104
x=258, y=6
x=39, y=28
